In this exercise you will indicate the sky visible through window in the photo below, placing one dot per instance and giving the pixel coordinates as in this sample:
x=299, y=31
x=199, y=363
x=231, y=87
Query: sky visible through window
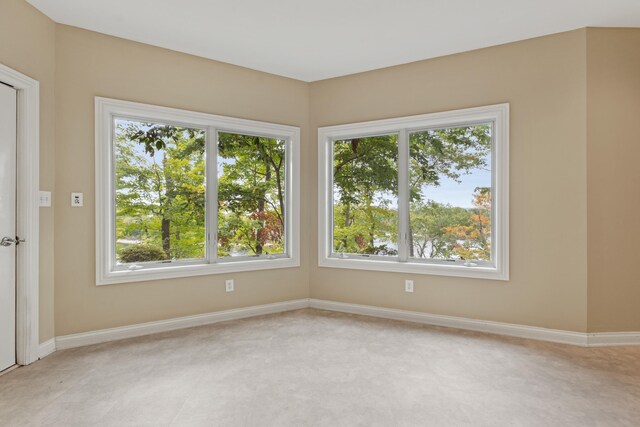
x=458, y=194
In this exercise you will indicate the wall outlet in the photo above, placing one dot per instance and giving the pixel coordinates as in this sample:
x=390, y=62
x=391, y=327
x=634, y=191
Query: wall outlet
x=408, y=285
x=228, y=285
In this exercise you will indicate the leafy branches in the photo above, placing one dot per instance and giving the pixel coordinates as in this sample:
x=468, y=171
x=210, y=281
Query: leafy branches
x=251, y=194
x=365, y=190
x=160, y=193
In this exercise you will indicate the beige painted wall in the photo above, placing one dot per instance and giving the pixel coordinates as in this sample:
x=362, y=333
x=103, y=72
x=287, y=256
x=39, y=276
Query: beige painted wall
x=89, y=64
x=27, y=42
x=544, y=80
x=613, y=152
x=553, y=164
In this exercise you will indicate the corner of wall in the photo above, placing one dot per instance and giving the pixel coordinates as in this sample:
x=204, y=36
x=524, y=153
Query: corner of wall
x=613, y=147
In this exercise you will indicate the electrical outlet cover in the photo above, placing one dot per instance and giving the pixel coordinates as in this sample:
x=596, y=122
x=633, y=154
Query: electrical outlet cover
x=408, y=285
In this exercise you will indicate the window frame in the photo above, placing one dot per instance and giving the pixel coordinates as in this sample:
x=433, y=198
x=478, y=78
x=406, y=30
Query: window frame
x=107, y=271
x=497, y=114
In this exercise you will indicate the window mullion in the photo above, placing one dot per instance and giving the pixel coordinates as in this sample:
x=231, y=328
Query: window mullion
x=403, y=195
x=288, y=205
x=112, y=193
x=212, y=194
x=329, y=224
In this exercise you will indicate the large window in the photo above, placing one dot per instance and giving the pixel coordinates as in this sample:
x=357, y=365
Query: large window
x=182, y=193
x=422, y=194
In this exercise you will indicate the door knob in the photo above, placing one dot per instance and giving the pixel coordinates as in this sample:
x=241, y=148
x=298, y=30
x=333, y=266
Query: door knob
x=8, y=241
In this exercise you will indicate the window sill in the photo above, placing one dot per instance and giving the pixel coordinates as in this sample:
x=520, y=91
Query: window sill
x=477, y=272
x=178, y=271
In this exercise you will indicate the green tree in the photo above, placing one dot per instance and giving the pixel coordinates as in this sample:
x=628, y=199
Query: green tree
x=251, y=194
x=430, y=223
x=160, y=191
x=365, y=179
x=438, y=153
x=473, y=239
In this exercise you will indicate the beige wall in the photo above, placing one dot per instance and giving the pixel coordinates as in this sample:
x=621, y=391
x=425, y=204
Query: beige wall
x=89, y=64
x=544, y=80
x=27, y=42
x=613, y=153
x=569, y=190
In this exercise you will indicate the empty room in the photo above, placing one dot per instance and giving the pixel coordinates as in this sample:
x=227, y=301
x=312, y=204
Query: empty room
x=319, y=213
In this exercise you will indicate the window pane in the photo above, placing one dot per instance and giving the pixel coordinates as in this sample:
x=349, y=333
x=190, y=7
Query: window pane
x=251, y=195
x=365, y=195
x=160, y=192
x=450, y=193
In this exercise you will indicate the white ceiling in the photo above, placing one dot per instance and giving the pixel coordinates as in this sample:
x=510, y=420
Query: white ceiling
x=314, y=40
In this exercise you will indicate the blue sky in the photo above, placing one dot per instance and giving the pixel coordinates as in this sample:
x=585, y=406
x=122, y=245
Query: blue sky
x=458, y=194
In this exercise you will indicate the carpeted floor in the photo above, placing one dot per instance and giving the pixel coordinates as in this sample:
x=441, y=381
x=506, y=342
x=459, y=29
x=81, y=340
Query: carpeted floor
x=318, y=368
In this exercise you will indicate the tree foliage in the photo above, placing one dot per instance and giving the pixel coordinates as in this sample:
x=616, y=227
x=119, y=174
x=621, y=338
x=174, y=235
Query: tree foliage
x=473, y=237
x=429, y=224
x=251, y=195
x=160, y=191
x=160, y=188
x=365, y=175
x=141, y=253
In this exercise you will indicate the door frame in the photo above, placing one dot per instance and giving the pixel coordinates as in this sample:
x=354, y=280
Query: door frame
x=28, y=213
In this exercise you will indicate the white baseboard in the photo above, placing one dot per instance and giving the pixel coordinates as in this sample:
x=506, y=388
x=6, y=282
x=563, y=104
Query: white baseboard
x=607, y=339
x=112, y=334
x=46, y=348
x=499, y=328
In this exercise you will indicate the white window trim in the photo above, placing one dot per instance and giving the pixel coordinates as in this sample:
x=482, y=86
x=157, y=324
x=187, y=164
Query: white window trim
x=497, y=114
x=106, y=273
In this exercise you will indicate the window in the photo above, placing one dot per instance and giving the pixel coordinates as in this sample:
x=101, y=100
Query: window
x=180, y=193
x=422, y=194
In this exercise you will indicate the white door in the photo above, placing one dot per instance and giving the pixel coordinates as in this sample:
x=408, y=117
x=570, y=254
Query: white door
x=7, y=226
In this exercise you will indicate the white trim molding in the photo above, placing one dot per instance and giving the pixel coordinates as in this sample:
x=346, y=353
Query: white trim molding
x=107, y=271
x=498, y=328
x=496, y=269
x=27, y=227
x=600, y=339
x=140, y=329
x=609, y=339
x=46, y=348
x=485, y=326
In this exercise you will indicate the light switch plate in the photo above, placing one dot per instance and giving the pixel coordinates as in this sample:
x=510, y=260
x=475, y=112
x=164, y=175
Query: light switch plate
x=45, y=199
x=77, y=200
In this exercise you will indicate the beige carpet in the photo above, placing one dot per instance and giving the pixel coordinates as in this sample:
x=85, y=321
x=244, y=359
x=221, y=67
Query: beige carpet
x=316, y=368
